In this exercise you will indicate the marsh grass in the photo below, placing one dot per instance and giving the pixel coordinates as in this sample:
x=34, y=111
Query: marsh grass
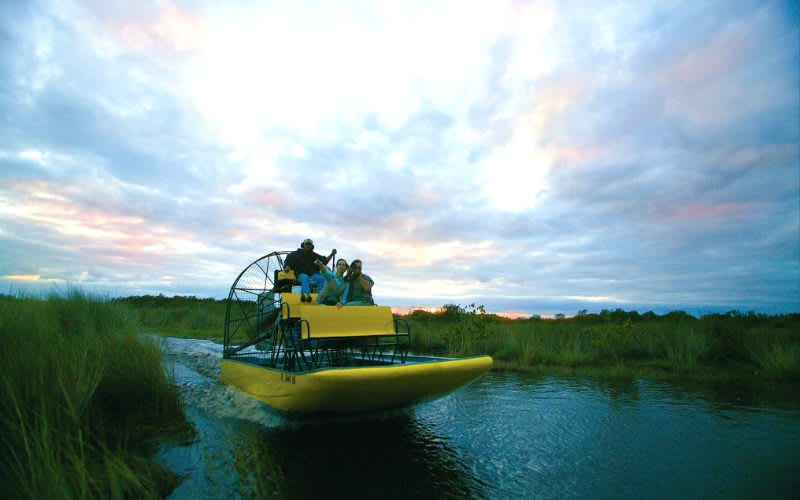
x=773, y=351
x=186, y=317
x=619, y=342
x=83, y=401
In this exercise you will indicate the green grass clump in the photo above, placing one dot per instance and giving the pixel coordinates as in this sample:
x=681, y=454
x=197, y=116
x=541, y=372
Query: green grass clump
x=83, y=401
x=775, y=352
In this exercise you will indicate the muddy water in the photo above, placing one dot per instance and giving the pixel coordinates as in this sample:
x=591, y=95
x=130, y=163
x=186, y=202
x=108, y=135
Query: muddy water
x=506, y=435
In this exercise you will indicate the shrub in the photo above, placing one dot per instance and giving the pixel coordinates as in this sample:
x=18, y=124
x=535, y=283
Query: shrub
x=466, y=330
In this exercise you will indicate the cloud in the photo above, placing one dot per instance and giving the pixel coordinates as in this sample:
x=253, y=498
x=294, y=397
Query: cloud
x=532, y=156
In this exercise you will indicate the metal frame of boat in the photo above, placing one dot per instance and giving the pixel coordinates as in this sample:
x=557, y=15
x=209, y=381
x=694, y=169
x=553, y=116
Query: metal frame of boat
x=301, y=357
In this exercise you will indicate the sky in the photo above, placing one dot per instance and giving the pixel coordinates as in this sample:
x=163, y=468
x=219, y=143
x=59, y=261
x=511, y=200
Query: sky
x=533, y=157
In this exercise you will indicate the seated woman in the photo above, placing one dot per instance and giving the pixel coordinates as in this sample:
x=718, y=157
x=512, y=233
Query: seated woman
x=334, y=283
x=358, y=289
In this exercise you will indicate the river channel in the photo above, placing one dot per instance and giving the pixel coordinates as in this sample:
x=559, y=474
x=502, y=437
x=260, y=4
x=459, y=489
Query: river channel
x=506, y=435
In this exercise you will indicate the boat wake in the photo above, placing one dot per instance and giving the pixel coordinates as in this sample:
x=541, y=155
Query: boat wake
x=195, y=367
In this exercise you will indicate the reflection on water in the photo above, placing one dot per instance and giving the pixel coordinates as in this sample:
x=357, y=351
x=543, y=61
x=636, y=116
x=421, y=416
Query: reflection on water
x=356, y=458
x=368, y=457
x=506, y=435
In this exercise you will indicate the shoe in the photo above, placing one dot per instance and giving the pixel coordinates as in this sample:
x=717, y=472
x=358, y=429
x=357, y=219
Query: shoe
x=306, y=298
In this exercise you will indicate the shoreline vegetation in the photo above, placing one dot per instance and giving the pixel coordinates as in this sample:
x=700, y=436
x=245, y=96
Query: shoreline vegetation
x=84, y=401
x=732, y=346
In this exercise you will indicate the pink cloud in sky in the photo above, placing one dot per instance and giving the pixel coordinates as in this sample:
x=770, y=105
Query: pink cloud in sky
x=578, y=153
x=264, y=198
x=513, y=314
x=698, y=211
x=100, y=234
x=403, y=311
x=710, y=61
x=555, y=101
x=712, y=84
x=171, y=29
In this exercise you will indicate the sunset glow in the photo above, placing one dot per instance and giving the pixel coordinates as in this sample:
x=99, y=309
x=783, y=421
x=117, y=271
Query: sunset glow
x=22, y=277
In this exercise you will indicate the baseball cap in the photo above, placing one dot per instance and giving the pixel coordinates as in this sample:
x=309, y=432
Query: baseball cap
x=307, y=240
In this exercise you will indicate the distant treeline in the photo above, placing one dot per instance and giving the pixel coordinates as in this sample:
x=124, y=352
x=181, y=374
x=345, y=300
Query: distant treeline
x=161, y=300
x=452, y=311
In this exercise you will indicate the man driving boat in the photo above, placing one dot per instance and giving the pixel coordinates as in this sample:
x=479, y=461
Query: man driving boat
x=301, y=261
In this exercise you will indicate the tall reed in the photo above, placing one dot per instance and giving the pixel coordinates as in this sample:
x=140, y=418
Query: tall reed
x=83, y=401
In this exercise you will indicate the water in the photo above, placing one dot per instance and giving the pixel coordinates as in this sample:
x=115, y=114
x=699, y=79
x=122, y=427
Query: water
x=507, y=435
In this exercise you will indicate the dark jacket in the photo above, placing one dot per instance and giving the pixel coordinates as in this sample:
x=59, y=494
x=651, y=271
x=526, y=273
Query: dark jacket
x=303, y=262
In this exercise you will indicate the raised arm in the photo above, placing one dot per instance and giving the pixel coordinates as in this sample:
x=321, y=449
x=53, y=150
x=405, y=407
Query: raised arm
x=366, y=284
x=322, y=268
x=329, y=257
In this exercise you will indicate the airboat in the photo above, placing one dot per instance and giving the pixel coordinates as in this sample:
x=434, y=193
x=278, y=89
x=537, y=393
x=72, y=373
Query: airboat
x=302, y=358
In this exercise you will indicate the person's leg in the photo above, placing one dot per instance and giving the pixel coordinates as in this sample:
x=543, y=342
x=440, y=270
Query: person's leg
x=359, y=303
x=305, y=285
x=323, y=295
x=319, y=280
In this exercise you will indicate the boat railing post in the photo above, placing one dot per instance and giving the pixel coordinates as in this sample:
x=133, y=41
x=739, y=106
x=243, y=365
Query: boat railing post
x=299, y=340
x=402, y=349
x=288, y=309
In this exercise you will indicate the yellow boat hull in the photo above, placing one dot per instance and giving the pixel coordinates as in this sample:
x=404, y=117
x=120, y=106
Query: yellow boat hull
x=354, y=389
